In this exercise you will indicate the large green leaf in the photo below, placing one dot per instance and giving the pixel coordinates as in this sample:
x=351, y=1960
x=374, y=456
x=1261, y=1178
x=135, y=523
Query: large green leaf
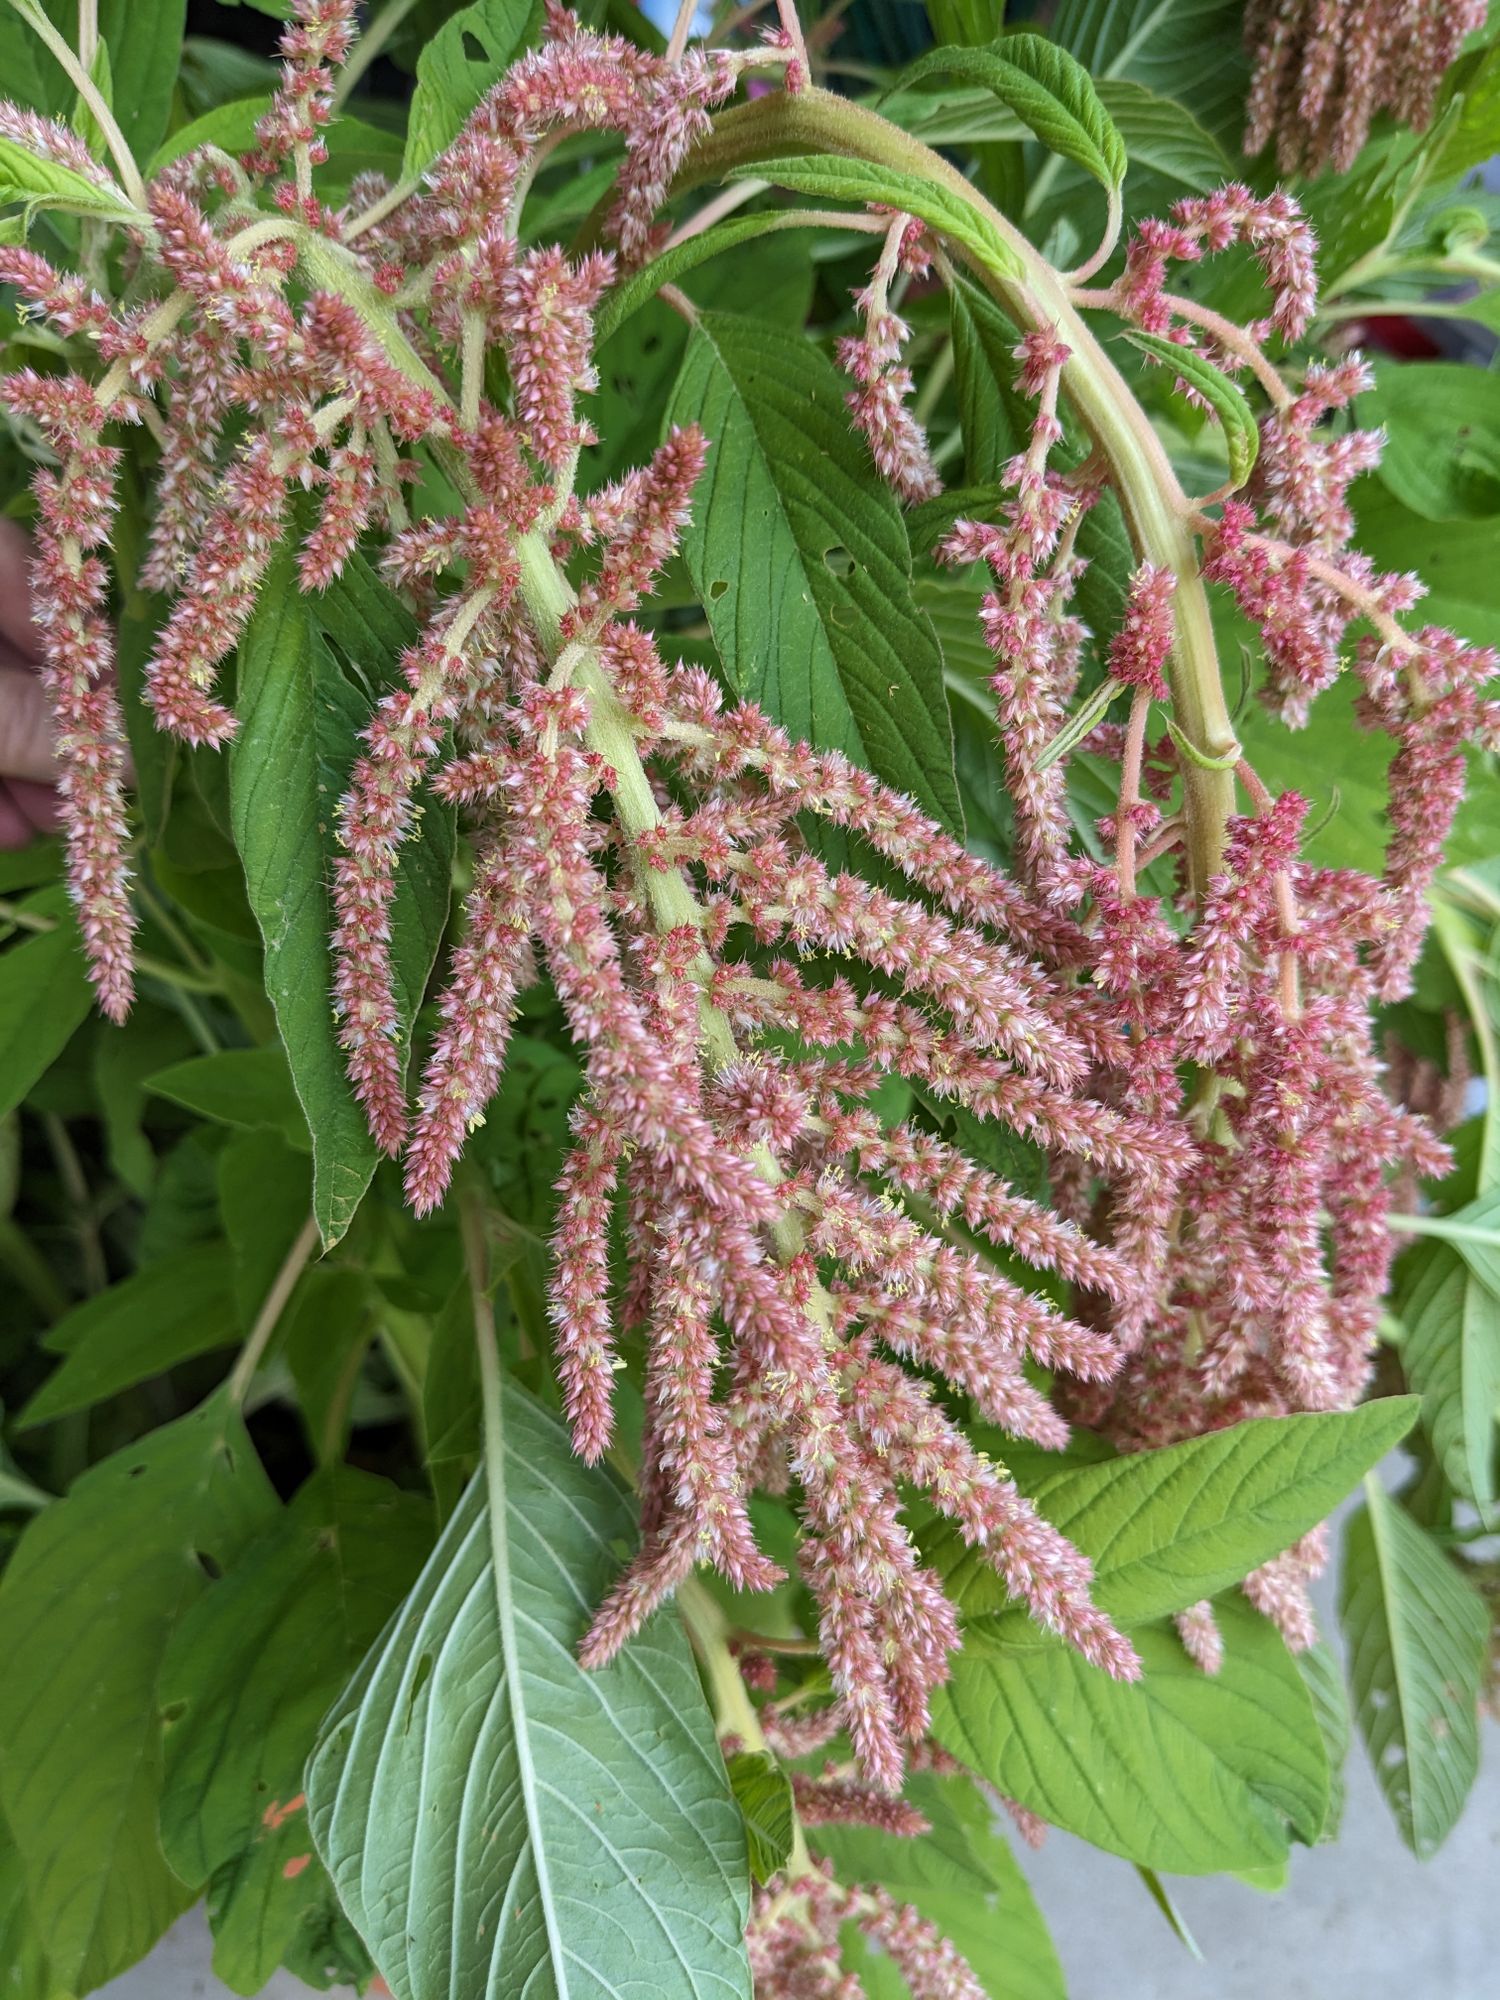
x=264, y=1193
x=496, y=1820
x=142, y=1326
x=801, y=559
x=1178, y=1771
x=24, y=1972
x=1192, y=50
x=963, y=1877
x=89, y=1603
x=1320, y=1668
x=991, y=414
x=1052, y=95
x=288, y=765
x=1451, y=1355
x=1442, y=425
x=27, y=178
x=1417, y=1636
x=144, y=39
x=1167, y=1528
x=245, y=1682
x=44, y=995
x=470, y=52
x=247, y=1087
x=1453, y=558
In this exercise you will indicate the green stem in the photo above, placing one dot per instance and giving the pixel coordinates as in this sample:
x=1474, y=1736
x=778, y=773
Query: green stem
x=156, y=968
x=734, y=1711
x=368, y=47
x=269, y=1316
x=1155, y=508
x=88, y=90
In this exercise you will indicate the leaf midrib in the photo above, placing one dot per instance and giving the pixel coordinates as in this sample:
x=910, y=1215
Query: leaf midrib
x=515, y=1696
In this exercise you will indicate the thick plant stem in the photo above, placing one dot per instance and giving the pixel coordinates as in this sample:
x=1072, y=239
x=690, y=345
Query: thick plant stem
x=734, y=1711
x=1155, y=508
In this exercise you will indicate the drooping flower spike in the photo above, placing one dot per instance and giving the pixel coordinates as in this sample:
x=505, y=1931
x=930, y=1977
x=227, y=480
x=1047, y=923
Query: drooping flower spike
x=820, y=1286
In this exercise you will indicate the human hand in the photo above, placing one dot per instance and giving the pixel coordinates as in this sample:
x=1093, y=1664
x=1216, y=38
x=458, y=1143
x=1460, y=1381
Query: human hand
x=28, y=768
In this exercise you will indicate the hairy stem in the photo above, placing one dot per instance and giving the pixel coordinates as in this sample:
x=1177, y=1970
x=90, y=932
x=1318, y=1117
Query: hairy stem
x=1156, y=511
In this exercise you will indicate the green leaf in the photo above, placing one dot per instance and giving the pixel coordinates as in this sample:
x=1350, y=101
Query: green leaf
x=1160, y=133
x=643, y=285
x=83, y=121
x=1442, y=425
x=265, y=1190
x=1179, y=1771
x=1225, y=398
x=1052, y=95
x=90, y=1601
x=526, y=1133
x=24, y=1973
x=991, y=416
x=802, y=563
x=568, y=1816
x=863, y=182
x=1417, y=1634
x=251, y=1088
x=144, y=38
x=1452, y=558
x=27, y=177
x=354, y=146
x=961, y=1876
x=141, y=1327
x=327, y=1329
x=1190, y=50
x=122, y=1065
x=1451, y=1356
x=246, y=1680
x=1319, y=1667
x=470, y=52
x=288, y=766
x=44, y=996
x=1167, y=1528
x=763, y=1792
x=1472, y=136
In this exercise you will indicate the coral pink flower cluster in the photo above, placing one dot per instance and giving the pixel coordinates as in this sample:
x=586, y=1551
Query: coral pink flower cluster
x=813, y=1274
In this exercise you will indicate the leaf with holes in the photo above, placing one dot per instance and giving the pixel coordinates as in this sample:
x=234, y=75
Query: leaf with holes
x=801, y=559
x=1224, y=398
x=1052, y=95
x=470, y=52
x=1166, y=1528
x=1417, y=1635
x=80, y=1740
x=1178, y=1771
x=496, y=1820
x=246, y=1680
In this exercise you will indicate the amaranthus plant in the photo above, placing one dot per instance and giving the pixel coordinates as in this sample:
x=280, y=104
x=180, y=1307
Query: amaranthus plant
x=693, y=742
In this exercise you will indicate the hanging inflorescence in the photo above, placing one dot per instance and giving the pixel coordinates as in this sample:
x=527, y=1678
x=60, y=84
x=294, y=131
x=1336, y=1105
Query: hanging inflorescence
x=1325, y=68
x=1204, y=1087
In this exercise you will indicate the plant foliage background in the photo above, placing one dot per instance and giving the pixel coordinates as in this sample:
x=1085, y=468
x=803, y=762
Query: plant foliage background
x=271, y=1637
